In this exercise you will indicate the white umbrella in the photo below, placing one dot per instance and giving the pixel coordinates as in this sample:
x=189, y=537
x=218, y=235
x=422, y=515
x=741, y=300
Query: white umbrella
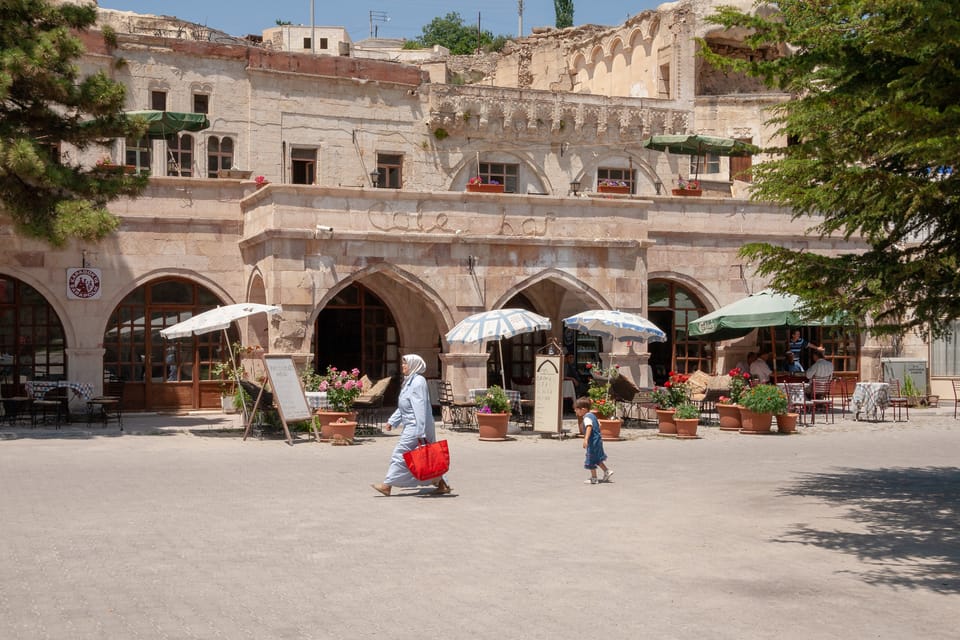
x=496, y=324
x=618, y=325
x=215, y=320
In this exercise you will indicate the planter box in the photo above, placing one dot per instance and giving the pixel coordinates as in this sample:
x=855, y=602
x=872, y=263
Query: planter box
x=128, y=169
x=485, y=188
x=621, y=190
x=236, y=174
x=687, y=192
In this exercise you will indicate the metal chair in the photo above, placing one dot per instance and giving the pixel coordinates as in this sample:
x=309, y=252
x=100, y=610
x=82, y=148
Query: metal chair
x=109, y=406
x=369, y=405
x=956, y=397
x=54, y=401
x=820, y=399
x=897, y=401
x=796, y=398
x=267, y=416
x=459, y=412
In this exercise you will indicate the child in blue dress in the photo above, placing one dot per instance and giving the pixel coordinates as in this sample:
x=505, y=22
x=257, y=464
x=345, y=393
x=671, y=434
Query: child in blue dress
x=592, y=442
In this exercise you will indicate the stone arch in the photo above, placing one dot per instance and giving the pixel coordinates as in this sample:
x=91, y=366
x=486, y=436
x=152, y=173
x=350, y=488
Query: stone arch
x=675, y=300
x=35, y=343
x=258, y=326
x=624, y=160
x=466, y=169
x=70, y=333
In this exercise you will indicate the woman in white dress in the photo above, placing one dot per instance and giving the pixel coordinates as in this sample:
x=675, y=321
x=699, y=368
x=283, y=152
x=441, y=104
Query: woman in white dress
x=414, y=415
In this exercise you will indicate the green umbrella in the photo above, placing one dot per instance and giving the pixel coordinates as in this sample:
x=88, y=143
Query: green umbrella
x=160, y=124
x=764, y=309
x=698, y=145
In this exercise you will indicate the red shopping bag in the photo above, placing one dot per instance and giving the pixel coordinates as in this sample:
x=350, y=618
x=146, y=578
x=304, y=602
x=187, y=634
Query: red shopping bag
x=429, y=460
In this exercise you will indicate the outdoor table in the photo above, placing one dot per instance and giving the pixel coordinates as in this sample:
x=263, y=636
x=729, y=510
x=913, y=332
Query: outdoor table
x=869, y=398
x=37, y=388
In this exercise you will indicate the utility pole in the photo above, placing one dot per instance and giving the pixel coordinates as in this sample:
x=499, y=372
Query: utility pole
x=313, y=28
x=520, y=18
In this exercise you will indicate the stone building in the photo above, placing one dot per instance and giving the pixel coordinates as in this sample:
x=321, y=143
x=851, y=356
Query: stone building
x=365, y=233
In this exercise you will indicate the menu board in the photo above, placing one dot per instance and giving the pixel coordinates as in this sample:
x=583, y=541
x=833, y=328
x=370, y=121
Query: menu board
x=548, y=401
x=287, y=389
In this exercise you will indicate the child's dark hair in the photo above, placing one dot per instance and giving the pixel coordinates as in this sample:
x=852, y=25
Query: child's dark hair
x=583, y=402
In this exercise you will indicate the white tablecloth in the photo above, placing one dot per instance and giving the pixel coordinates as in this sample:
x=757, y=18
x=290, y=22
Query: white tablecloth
x=317, y=399
x=870, y=399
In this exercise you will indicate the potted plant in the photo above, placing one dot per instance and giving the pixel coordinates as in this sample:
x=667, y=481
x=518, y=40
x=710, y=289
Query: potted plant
x=687, y=187
x=667, y=398
x=613, y=186
x=602, y=402
x=342, y=387
x=477, y=185
x=106, y=165
x=228, y=372
x=759, y=404
x=727, y=406
x=493, y=413
x=341, y=430
x=261, y=182
x=911, y=392
x=687, y=417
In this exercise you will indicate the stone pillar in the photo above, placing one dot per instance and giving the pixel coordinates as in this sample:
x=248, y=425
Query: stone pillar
x=464, y=371
x=633, y=365
x=84, y=365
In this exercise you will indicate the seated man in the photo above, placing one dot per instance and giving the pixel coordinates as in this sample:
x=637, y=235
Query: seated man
x=791, y=364
x=570, y=373
x=760, y=368
x=821, y=367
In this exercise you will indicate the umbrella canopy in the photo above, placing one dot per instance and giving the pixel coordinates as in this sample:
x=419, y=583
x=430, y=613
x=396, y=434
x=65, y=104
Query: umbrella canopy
x=764, y=309
x=495, y=325
x=162, y=123
x=216, y=319
x=618, y=325
x=698, y=145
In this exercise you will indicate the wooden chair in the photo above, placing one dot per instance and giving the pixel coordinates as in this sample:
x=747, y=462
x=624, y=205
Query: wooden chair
x=956, y=397
x=457, y=414
x=820, y=399
x=898, y=402
x=109, y=406
x=267, y=416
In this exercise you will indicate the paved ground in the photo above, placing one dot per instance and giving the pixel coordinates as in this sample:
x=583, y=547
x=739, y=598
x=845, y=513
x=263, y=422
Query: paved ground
x=175, y=529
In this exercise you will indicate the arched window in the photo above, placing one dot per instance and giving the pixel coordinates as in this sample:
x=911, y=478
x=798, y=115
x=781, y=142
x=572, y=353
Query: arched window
x=219, y=155
x=672, y=307
x=32, y=339
x=180, y=155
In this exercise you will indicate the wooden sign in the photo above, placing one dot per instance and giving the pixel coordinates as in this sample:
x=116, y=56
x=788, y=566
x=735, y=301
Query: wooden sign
x=548, y=401
x=287, y=392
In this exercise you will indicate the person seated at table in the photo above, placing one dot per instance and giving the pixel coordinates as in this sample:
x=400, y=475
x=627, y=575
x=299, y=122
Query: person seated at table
x=791, y=364
x=821, y=367
x=760, y=368
x=571, y=373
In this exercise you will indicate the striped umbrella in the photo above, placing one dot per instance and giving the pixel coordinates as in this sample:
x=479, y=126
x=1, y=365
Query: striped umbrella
x=618, y=325
x=496, y=325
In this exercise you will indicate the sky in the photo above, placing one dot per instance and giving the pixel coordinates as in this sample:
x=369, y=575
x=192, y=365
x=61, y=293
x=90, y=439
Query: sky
x=393, y=18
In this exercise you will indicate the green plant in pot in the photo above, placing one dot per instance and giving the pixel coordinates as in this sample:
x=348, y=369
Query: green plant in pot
x=765, y=398
x=495, y=400
x=601, y=401
x=687, y=411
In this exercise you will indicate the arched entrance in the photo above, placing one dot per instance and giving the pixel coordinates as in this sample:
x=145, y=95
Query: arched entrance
x=157, y=373
x=32, y=339
x=672, y=307
x=357, y=329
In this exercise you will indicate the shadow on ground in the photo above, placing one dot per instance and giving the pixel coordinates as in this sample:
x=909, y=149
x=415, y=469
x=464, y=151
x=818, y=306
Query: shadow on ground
x=910, y=533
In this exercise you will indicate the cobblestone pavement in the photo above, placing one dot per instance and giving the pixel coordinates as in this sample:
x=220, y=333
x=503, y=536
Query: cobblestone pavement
x=178, y=529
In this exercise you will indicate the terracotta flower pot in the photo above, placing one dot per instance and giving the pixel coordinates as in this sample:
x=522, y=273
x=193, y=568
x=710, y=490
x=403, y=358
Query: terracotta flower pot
x=687, y=192
x=339, y=431
x=493, y=426
x=729, y=417
x=755, y=423
x=610, y=428
x=666, y=423
x=787, y=422
x=326, y=418
x=687, y=427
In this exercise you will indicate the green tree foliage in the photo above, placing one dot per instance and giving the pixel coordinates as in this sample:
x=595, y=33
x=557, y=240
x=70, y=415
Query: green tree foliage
x=43, y=102
x=874, y=118
x=450, y=32
x=564, y=11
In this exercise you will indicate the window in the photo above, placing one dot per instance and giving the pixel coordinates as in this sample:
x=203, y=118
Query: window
x=672, y=307
x=201, y=103
x=841, y=345
x=663, y=90
x=945, y=353
x=505, y=174
x=707, y=163
x=608, y=173
x=303, y=166
x=32, y=339
x=389, y=171
x=323, y=43
x=180, y=156
x=138, y=154
x=306, y=43
x=219, y=155
x=158, y=100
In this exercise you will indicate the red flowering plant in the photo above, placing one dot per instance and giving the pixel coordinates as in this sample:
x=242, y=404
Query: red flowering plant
x=601, y=402
x=673, y=393
x=688, y=185
x=739, y=380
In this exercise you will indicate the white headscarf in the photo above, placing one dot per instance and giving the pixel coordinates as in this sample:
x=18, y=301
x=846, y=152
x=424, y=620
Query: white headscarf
x=415, y=365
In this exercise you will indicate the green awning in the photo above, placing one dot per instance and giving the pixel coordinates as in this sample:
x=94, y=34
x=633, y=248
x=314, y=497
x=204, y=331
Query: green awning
x=162, y=123
x=764, y=309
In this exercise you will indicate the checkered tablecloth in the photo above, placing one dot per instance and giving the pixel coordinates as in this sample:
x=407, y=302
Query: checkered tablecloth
x=37, y=388
x=869, y=399
x=513, y=396
x=317, y=400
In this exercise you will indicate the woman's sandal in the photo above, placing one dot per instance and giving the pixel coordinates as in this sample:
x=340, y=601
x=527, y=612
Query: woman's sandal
x=382, y=488
x=442, y=489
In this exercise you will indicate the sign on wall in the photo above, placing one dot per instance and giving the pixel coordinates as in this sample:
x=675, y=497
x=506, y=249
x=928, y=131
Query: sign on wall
x=83, y=283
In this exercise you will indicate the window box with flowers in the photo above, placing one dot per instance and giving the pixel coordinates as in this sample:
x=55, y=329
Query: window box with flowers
x=613, y=186
x=106, y=165
x=602, y=402
x=674, y=392
x=493, y=414
x=477, y=185
x=342, y=387
x=728, y=406
x=687, y=188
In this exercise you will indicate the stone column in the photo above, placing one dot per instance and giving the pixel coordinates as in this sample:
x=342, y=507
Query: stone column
x=464, y=371
x=84, y=365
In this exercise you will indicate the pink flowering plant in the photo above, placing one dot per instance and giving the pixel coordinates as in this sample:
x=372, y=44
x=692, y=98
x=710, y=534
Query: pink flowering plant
x=688, y=185
x=609, y=182
x=495, y=400
x=341, y=386
x=260, y=181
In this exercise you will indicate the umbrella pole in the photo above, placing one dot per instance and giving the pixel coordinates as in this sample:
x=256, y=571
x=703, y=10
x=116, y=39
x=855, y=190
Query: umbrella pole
x=236, y=373
x=503, y=374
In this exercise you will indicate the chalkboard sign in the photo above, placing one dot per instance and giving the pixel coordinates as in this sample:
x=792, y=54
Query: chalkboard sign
x=287, y=389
